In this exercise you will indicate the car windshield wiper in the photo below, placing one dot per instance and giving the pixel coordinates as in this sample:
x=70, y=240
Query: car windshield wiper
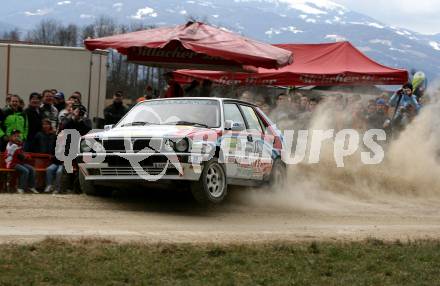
x=136, y=123
x=187, y=123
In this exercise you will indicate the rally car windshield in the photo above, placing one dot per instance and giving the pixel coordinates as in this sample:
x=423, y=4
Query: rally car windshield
x=196, y=112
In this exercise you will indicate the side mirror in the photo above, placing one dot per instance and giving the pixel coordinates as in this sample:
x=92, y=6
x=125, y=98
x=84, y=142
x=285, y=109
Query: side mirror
x=108, y=127
x=234, y=126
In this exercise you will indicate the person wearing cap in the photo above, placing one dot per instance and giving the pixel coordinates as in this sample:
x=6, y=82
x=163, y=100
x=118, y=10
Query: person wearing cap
x=59, y=101
x=15, y=119
x=114, y=112
x=15, y=158
x=34, y=116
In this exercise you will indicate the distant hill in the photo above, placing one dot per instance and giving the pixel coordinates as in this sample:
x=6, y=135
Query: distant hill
x=275, y=21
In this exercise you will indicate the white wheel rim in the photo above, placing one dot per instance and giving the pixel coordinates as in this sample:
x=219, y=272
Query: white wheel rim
x=215, y=180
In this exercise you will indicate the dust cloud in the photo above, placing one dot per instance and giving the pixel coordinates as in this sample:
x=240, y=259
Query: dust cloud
x=409, y=175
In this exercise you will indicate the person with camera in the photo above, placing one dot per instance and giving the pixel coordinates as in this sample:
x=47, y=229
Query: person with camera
x=77, y=120
x=403, y=102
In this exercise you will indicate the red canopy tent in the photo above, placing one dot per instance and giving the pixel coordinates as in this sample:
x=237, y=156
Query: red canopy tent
x=194, y=45
x=315, y=64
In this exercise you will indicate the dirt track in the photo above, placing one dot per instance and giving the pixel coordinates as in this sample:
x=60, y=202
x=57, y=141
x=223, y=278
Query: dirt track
x=166, y=216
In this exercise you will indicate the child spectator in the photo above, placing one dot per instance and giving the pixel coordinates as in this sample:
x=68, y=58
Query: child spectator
x=15, y=158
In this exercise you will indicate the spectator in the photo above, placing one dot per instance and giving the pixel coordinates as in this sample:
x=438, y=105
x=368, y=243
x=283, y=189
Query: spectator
x=34, y=116
x=357, y=120
x=77, y=121
x=304, y=104
x=78, y=96
x=15, y=158
x=174, y=88
x=67, y=111
x=247, y=96
x=44, y=143
x=420, y=84
x=8, y=100
x=193, y=90
x=263, y=103
x=205, y=90
x=114, y=112
x=15, y=119
x=401, y=101
x=48, y=110
x=59, y=101
x=313, y=103
x=377, y=117
x=148, y=94
x=282, y=109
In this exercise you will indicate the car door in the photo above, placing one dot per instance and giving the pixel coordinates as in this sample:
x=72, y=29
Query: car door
x=258, y=157
x=235, y=144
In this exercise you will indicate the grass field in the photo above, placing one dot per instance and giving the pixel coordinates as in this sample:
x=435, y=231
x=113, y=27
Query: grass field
x=372, y=262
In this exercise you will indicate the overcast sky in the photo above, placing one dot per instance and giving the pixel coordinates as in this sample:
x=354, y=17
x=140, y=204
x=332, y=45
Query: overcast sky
x=418, y=15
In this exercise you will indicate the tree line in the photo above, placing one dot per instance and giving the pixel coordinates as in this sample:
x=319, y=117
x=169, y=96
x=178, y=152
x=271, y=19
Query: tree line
x=121, y=75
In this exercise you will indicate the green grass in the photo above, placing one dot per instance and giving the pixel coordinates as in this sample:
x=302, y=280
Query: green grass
x=372, y=262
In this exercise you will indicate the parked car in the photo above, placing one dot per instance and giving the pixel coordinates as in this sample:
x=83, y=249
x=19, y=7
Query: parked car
x=204, y=143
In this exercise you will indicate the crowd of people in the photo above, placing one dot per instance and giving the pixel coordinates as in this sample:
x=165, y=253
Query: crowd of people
x=296, y=111
x=34, y=129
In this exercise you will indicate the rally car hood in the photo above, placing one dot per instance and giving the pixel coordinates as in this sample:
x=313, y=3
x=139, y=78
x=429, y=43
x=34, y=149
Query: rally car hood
x=152, y=131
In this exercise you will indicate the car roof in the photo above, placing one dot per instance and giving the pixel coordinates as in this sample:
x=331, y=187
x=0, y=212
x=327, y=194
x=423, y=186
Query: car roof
x=221, y=99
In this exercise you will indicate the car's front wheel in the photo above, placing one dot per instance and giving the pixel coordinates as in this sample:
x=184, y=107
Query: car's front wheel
x=89, y=189
x=212, y=186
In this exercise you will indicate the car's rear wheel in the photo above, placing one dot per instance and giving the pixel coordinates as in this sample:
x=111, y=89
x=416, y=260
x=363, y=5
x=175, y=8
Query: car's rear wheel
x=212, y=186
x=278, y=176
x=89, y=189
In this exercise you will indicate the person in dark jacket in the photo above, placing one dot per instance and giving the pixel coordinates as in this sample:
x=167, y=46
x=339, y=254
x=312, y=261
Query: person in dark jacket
x=77, y=121
x=45, y=143
x=34, y=116
x=114, y=112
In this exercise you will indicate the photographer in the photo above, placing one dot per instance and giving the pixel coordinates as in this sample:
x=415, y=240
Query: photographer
x=402, y=101
x=77, y=120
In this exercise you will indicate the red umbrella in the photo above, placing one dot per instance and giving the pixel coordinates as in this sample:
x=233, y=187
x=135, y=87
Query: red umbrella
x=315, y=64
x=194, y=46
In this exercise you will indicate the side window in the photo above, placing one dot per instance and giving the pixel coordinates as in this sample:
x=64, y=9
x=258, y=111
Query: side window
x=233, y=113
x=251, y=118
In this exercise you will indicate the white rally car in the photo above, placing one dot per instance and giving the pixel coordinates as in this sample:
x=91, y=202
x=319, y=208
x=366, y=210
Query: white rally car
x=203, y=143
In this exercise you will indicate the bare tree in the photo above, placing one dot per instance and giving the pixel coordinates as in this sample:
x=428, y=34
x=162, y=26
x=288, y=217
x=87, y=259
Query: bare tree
x=12, y=35
x=46, y=32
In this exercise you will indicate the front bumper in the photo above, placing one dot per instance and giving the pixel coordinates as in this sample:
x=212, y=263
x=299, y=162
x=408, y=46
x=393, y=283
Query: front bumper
x=178, y=166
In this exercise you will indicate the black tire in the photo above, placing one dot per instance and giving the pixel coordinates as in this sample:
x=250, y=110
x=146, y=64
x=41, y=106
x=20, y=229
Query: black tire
x=278, y=176
x=212, y=186
x=89, y=189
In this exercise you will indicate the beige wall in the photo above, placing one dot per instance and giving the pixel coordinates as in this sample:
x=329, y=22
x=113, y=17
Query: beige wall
x=3, y=68
x=35, y=68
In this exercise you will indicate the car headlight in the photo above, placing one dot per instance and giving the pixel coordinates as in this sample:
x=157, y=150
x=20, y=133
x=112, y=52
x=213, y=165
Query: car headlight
x=85, y=147
x=168, y=146
x=181, y=145
x=91, y=146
